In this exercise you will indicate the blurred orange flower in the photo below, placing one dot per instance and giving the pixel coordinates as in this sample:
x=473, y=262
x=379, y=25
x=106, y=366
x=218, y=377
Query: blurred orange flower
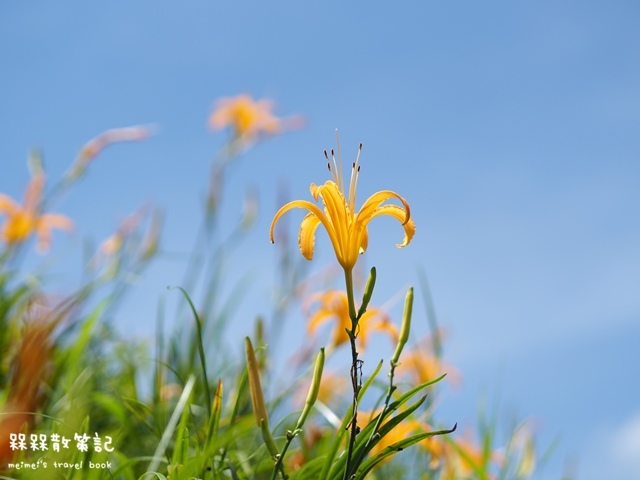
x=248, y=118
x=32, y=364
x=26, y=219
x=113, y=243
x=462, y=456
x=334, y=305
x=332, y=387
x=402, y=431
x=423, y=367
x=347, y=228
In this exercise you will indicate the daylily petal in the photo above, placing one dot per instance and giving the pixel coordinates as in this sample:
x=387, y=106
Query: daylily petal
x=364, y=240
x=18, y=227
x=399, y=214
x=43, y=229
x=315, y=191
x=317, y=319
x=333, y=305
x=381, y=323
x=372, y=203
x=8, y=205
x=358, y=240
x=314, y=209
x=307, y=235
x=33, y=193
x=339, y=335
x=54, y=220
x=336, y=206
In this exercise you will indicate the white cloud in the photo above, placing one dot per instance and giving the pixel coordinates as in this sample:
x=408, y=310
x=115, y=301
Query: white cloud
x=613, y=452
x=625, y=446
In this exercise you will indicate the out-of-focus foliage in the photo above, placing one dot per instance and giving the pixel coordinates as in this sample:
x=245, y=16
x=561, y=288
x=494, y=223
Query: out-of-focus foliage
x=77, y=400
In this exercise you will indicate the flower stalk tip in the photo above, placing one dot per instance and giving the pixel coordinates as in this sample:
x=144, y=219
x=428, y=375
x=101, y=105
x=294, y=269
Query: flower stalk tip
x=257, y=397
x=368, y=292
x=405, y=327
x=312, y=396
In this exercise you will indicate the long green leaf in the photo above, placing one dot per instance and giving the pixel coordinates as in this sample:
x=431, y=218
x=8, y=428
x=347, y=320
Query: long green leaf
x=343, y=427
x=386, y=452
x=365, y=442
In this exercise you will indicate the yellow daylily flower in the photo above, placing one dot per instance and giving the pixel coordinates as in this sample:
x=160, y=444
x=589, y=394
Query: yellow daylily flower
x=423, y=365
x=347, y=228
x=334, y=305
x=23, y=220
x=249, y=118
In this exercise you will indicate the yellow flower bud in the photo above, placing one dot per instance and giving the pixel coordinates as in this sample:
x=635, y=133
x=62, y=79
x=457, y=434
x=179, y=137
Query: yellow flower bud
x=312, y=396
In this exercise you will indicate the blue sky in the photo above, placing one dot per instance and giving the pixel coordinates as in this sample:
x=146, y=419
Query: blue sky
x=511, y=128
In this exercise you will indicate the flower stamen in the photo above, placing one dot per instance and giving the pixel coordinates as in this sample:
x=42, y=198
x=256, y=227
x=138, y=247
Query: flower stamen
x=355, y=170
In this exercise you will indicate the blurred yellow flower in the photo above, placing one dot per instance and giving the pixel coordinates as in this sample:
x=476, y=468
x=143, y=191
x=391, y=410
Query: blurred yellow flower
x=114, y=242
x=334, y=305
x=247, y=117
x=331, y=387
x=467, y=458
x=424, y=367
x=26, y=219
x=454, y=458
x=423, y=364
x=522, y=446
x=402, y=431
x=347, y=228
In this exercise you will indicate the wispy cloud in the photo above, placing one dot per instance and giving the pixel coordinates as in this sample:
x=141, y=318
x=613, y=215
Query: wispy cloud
x=624, y=447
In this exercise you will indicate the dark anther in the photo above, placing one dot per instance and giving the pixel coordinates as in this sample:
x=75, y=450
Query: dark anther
x=353, y=165
x=358, y=168
x=360, y=147
x=325, y=154
x=329, y=165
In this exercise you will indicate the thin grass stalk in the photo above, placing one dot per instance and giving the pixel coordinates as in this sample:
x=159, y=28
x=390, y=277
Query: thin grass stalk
x=173, y=422
x=203, y=361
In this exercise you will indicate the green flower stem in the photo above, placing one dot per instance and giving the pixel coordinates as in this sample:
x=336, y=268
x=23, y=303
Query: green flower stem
x=402, y=340
x=280, y=458
x=312, y=396
x=355, y=380
x=348, y=277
